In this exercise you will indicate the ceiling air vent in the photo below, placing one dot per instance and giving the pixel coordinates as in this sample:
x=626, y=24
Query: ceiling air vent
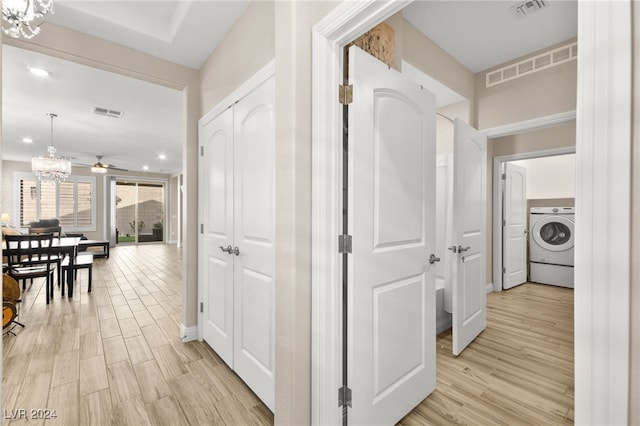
x=532, y=64
x=108, y=112
x=527, y=7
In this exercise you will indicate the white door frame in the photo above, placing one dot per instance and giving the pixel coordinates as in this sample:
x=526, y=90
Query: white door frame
x=498, y=197
x=240, y=92
x=602, y=202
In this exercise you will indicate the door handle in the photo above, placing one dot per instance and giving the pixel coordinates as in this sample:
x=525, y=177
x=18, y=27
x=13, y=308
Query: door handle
x=228, y=249
x=453, y=249
x=433, y=259
x=462, y=249
x=235, y=251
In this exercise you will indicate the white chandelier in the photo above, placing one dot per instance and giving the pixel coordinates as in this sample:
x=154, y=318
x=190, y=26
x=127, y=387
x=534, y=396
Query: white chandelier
x=22, y=18
x=50, y=167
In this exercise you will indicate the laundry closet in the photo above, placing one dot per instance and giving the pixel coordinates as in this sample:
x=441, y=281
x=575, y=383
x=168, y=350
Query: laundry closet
x=237, y=232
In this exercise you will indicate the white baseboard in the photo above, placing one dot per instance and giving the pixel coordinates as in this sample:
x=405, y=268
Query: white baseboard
x=489, y=287
x=174, y=242
x=188, y=334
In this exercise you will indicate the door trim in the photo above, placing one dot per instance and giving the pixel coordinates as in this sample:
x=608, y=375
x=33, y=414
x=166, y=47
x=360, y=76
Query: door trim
x=344, y=23
x=498, y=198
x=602, y=371
x=528, y=125
x=240, y=92
x=603, y=205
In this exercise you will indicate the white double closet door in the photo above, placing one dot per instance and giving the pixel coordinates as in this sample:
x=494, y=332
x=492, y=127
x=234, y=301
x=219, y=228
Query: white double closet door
x=238, y=227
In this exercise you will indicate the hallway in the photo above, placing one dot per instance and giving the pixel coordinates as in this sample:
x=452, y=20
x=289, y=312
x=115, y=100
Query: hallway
x=518, y=371
x=114, y=357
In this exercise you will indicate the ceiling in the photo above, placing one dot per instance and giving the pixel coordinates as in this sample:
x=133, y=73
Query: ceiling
x=483, y=34
x=184, y=32
x=487, y=33
x=151, y=124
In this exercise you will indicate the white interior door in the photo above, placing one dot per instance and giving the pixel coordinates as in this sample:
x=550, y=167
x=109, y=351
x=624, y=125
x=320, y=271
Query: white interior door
x=469, y=316
x=254, y=232
x=217, y=221
x=391, y=302
x=514, y=231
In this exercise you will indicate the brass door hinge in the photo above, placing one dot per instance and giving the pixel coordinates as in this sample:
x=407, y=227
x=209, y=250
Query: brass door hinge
x=345, y=94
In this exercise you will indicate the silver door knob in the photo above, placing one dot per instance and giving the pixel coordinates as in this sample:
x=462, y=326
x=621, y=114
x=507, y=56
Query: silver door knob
x=227, y=249
x=462, y=249
x=235, y=250
x=433, y=259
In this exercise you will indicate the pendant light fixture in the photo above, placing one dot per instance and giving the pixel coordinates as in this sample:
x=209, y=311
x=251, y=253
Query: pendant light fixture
x=51, y=168
x=22, y=18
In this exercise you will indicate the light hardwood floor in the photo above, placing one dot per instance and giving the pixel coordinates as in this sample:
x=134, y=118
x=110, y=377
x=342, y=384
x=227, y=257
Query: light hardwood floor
x=114, y=356
x=519, y=371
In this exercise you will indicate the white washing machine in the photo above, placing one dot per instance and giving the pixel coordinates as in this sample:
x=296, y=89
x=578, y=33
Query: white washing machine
x=551, y=245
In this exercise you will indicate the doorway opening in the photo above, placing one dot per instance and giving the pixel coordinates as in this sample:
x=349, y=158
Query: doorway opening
x=537, y=199
x=140, y=212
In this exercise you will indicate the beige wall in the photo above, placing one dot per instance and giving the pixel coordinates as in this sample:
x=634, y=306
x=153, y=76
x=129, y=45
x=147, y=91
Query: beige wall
x=542, y=93
x=9, y=168
x=247, y=47
x=634, y=395
x=431, y=59
x=539, y=140
x=173, y=212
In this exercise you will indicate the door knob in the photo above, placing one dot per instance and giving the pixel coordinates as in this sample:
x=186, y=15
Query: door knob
x=235, y=250
x=227, y=249
x=453, y=249
x=433, y=259
x=462, y=249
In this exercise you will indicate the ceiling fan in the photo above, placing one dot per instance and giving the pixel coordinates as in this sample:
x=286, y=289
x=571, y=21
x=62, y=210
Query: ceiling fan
x=100, y=167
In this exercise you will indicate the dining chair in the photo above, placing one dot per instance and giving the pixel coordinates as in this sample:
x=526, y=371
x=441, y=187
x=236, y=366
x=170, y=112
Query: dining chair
x=29, y=257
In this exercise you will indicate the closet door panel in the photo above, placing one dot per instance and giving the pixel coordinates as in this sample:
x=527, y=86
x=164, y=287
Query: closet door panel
x=254, y=233
x=217, y=220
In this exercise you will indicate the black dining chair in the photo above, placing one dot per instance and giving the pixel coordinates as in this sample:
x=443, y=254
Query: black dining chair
x=29, y=257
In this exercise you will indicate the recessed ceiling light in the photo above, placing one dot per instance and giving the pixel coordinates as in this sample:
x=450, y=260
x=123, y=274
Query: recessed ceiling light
x=39, y=72
x=145, y=168
x=162, y=157
x=27, y=140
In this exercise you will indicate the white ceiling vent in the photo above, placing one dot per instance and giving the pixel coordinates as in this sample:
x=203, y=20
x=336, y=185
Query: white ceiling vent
x=108, y=112
x=527, y=7
x=551, y=58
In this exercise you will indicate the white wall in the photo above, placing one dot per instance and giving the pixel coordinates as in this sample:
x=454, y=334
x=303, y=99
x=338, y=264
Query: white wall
x=550, y=177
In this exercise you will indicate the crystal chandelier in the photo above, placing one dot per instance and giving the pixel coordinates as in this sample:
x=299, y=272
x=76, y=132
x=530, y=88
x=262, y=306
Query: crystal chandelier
x=22, y=18
x=50, y=167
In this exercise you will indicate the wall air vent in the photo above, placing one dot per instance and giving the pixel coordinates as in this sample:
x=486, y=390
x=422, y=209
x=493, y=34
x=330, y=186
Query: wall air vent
x=107, y=112
x=551, y=58
x=527, y=7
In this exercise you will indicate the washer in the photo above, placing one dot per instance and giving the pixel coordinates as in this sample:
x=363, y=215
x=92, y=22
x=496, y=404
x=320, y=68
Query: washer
x=551, y=245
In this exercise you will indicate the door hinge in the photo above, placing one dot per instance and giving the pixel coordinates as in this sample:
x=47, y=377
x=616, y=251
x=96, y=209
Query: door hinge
x=504, y=270
x=202, y=151
x=504, y=222
x=345, y=94
x=344, y=397
x=201, y=307
x=344, y=244
x=504, y=176
x=202, y=228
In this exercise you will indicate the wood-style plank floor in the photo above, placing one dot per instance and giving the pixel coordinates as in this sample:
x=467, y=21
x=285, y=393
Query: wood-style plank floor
x=113, y=356
x=519, y=371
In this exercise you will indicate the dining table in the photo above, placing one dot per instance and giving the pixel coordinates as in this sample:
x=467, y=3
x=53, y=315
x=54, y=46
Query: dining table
x=65, y=246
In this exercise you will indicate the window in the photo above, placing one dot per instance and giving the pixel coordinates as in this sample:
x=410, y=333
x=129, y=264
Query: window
x=71, y=201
